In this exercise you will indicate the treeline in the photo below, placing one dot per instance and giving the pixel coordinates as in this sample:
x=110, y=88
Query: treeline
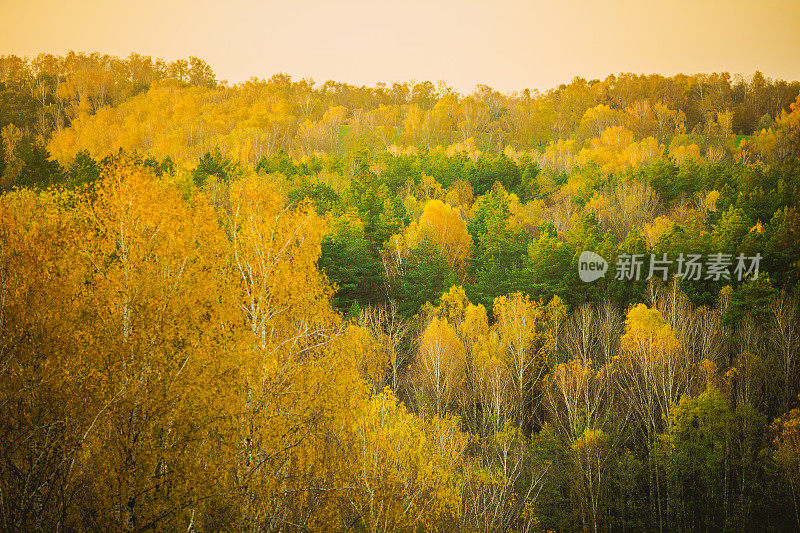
x=179, y=109
x=46, y=93
x=257, y=118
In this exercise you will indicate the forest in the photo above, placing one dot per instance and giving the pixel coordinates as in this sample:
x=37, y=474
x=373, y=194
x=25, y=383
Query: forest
x=283, y=305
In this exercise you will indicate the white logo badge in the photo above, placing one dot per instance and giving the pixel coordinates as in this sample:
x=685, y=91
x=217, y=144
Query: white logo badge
x=591, y=266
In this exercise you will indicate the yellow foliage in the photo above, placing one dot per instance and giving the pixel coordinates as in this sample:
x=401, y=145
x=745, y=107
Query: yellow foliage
x=681, y=152
x=440, y=366
x=408, y=474
x=444, y=226
x=658, y=228
x=646, y=332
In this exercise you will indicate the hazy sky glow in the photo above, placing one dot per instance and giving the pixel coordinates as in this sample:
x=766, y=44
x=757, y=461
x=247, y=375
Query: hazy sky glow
x=508, y=44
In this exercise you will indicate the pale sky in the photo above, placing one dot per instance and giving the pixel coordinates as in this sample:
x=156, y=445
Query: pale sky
x=507, y=44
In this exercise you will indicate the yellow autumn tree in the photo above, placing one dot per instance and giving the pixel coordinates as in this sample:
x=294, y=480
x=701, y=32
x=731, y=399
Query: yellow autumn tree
x=299, y=381
x=654, y=371
x=444, y=227
x=576, y=395
x=405, y=474
x=591, y=452
x=151, y=332
x=522, y=328
x=654, y=366
x=439, y=369
x=49, y=390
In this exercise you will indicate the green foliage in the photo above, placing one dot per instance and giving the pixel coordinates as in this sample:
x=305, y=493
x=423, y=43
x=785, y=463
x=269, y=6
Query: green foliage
x=214, y=164
x=323, y=197
x=629, y=485
x=751, y=298
x=382, y=213
x=663, y=177
x=349, y=262
x=627, y=291
x=17, y=104
x=498, y=260
x=160, y=168
x=692, y=453
x=547, y=269
x=550, y=452
x=2, y=157
x=425, y=277
x=490, y=210
x=781, y=256
x=277, y=163
x=83, y=169
x=495, y=169
x=34, y=168
x=691, y=239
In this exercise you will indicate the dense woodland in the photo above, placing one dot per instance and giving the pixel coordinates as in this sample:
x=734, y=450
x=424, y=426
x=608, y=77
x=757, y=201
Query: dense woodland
x=289, y=306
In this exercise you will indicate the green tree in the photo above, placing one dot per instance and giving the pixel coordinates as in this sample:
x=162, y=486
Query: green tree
x=323, y=197
x=693, y=454
x=426, y=276
x=213, y=164
x=34, y=168
x=547, y=268
x=83, y=169
x=751, y=298
x=348, y=260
